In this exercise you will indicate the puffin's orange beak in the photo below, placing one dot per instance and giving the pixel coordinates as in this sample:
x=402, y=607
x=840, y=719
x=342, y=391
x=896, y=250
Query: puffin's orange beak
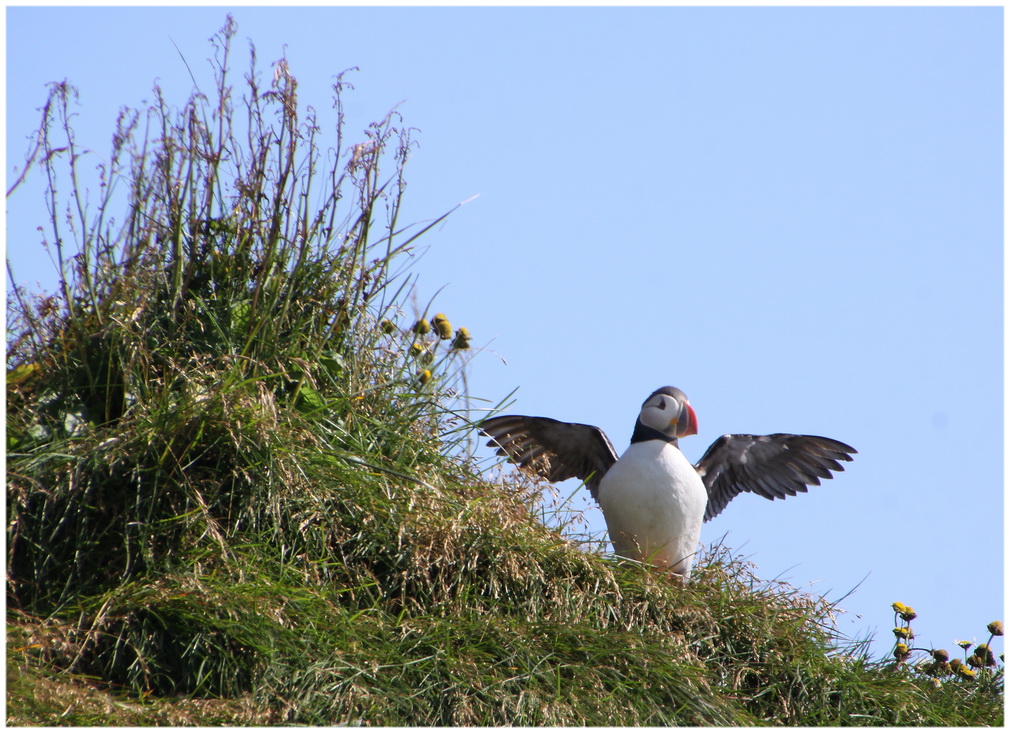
x=687, y=423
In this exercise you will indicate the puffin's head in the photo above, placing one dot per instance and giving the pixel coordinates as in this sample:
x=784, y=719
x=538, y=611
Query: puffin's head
x=668, y=411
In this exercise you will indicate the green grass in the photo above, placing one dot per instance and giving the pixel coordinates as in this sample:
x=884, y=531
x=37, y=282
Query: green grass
x=238, y=491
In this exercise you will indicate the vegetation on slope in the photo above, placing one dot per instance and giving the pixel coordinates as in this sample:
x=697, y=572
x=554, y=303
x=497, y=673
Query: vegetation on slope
x=236, y=495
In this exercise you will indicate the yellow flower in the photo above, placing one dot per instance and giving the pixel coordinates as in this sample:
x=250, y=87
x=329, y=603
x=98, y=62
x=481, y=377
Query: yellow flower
x=387, y=326
x=901, y=652
x=425, y=376
x=903, y=632
x=996, y=628
x=963, y=644
x=422, y=327
x=462, y=340
x=965, y=673
x=442, y=326
x=416, y=348
x=908, y=614
x=898, y=607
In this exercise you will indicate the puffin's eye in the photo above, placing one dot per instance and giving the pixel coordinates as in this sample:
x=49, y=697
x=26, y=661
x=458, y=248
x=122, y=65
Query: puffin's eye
x=662, y=404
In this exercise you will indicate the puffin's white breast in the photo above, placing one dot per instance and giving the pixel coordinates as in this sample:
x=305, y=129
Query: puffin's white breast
x=654, y=502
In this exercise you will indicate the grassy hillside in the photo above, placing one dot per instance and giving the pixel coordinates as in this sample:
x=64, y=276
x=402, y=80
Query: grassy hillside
x=236, y=493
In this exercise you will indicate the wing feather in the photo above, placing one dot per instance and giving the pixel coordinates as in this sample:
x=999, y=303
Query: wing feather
x=772, y=466
x=552, y=449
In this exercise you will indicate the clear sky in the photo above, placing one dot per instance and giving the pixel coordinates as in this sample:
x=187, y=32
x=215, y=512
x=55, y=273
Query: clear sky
x=794, y=215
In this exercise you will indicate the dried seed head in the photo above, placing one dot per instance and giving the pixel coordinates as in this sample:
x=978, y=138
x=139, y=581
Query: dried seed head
x=940, y=655
x=985, y=655
x=387, y=326
x=996, y=628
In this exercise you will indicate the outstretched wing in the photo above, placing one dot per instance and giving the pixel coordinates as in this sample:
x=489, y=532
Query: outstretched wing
x=772, y=466
x=552, y=449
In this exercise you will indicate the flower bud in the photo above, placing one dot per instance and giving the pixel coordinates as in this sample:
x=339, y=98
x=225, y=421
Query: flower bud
x=996, y=628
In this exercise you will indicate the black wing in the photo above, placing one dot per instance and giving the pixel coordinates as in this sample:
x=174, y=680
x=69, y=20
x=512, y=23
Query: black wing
x=772, y=466
x=552, y=449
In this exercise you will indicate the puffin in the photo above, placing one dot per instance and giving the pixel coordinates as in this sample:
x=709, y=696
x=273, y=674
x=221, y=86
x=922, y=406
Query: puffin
x=653, y=499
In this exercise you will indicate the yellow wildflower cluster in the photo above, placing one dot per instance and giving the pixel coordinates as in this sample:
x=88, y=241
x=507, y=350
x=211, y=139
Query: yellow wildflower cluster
x=941, y=665
x=423, y=338
x=442, y=327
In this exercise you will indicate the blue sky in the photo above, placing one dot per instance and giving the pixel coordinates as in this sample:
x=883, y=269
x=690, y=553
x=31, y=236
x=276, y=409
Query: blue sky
x=794, y=215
